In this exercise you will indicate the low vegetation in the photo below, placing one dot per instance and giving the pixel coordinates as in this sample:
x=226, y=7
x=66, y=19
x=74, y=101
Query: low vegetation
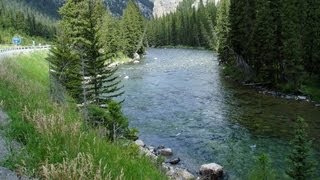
x=56, y=142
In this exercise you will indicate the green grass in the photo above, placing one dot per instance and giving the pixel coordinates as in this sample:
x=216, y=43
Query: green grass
x=53, y=135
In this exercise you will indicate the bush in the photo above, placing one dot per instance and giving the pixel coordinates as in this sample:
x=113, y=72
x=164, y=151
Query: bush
x=113, y=120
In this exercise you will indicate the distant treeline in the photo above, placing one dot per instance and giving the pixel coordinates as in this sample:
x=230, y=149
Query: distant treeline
x=276, y=43
x=16, y=17
x=191, y=25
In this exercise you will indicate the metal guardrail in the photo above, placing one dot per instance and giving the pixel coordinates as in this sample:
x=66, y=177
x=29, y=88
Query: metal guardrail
x=16, y=48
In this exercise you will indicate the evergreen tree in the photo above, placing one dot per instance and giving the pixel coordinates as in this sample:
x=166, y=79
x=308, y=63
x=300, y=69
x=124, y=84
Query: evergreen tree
x=81, y=44
x=293, y=17
x=133, y=26
x=312, y=37
x=265, y=40
x=300, y=165
x=222, y=29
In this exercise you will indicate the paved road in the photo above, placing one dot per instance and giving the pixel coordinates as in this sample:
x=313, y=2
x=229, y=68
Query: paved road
x=20, y=50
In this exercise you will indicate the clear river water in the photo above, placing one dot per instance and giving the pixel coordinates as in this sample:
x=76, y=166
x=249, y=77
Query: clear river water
x=178, y=98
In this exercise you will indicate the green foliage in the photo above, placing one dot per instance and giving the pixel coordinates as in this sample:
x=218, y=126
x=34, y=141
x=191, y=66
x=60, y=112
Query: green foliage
x=263, y=169
x=300, y=163
x=78, y=56
x=188, y=26
x=16, y=17
x=275, y=40
x=222, y=29
x=113, y=119
x=132, y=24
x=53, y=133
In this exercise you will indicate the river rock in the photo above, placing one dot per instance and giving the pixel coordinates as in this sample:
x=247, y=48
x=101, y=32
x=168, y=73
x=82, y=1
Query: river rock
x=151, y=149
x=139, y=143
x=303, y=98
x=174, y=161
x=136, y=62
x=211, y=171
x=317, y=105
x=165, y=152
x=146, y=152
x=136, y=56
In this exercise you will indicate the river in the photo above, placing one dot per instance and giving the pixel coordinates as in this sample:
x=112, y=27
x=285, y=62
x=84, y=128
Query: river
x=178, y=98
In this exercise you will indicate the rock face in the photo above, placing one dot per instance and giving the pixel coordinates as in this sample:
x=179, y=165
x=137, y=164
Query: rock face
x=163, y=7
x=211, y=171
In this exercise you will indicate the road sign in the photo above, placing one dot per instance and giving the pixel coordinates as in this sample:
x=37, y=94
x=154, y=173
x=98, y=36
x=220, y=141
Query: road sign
x=16, y=40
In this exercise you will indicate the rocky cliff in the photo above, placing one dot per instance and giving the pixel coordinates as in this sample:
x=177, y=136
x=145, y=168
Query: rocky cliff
x=163, y=7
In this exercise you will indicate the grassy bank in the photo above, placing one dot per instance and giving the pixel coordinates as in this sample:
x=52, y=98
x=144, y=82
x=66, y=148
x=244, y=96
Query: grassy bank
x=56, y=143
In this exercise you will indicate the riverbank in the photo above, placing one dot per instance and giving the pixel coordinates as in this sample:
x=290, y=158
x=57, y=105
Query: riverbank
x=309, y=92
x=56, y=142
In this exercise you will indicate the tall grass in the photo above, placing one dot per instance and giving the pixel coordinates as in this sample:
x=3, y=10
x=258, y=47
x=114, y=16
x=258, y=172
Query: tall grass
x=56, y=143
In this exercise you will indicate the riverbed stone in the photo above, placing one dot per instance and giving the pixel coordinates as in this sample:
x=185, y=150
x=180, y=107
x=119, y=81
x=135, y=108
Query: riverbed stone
x=148, y=153
x=211, y=171
x=136, y=62
x=302, y=98
x=176, y=173
x=165, y=152
x=136, y=56
x=139, y=143
x=174, y=161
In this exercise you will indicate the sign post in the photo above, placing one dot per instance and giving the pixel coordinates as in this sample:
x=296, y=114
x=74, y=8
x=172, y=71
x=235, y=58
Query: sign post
x=16, y=40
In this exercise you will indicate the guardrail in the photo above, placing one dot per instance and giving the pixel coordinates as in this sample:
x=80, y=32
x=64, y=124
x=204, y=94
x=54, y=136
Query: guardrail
x=16, y=48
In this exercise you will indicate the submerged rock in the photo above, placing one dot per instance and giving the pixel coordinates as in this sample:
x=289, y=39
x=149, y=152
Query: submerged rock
x=211, y=171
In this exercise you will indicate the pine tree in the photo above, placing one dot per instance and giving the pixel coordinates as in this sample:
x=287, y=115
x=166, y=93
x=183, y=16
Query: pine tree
x=312, y=37
x=222, y=29
x=133, y=26
x=293, y=18
x=81, y=44
x=264, y=41
x=300, y=165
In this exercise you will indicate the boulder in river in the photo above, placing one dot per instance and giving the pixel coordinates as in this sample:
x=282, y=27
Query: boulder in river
x=211, y=171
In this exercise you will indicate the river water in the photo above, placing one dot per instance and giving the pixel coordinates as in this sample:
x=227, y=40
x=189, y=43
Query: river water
x=178, y=98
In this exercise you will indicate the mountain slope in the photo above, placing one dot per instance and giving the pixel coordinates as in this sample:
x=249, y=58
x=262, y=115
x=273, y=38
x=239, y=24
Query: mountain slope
x=51, y=7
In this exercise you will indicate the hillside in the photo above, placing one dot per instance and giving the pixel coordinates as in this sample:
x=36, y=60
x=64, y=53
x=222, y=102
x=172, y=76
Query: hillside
x=50, y=7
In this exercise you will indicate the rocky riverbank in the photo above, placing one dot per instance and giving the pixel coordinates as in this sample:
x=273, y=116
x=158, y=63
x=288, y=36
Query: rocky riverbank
x=268, y=92
x=174, y=172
